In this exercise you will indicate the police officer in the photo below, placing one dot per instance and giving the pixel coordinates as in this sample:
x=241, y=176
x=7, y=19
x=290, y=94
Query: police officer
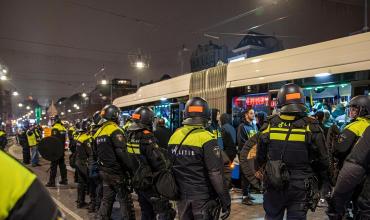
x=3, y=139
x=291, y=149
x=359, y=112
x=96, y=183
x=198, y=166
x=22, y=194
x=142, y=147
x=22, y=139
x=33, y=138
x=83, y=153
x=112, y=160
x=356, y=168
x=59, y=131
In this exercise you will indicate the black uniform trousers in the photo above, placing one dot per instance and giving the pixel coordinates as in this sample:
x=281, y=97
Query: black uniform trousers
x=26, y=153
x=83, y=181
x=112, y=186
x=293, y=199
x=62, y=168
x=196, y=209
x=153, y=207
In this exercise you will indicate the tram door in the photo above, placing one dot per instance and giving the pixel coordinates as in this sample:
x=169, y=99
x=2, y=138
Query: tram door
x=176, y=115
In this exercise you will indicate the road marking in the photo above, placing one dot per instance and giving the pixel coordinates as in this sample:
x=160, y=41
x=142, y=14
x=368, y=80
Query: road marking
x=67, y=210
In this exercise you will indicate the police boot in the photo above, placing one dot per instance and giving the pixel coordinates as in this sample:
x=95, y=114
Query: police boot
x=50, y=184
x=92, y=206
x=81, y=197
x=63, y=182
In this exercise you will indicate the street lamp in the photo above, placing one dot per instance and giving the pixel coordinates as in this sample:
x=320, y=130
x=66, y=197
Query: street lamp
x=140, y=64
x=84, y=95
x=20, y=105
x=104, y=82
x=69, y=110
x=28, y=107
x=15, y=93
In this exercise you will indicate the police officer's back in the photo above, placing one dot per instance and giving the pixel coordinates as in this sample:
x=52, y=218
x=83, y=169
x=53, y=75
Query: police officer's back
x=83, y=154
x=356, y=167
x=145, y=153
x=292, y=152
x=112, y=161
x=198, y=165
x=22, y=194
x=59, y=131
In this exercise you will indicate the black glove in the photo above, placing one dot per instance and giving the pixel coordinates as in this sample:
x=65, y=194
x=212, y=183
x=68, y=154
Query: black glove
x=332, y=214
x=226, y=212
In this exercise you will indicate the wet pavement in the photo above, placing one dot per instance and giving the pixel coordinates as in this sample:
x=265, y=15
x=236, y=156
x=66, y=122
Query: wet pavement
x=65, y=197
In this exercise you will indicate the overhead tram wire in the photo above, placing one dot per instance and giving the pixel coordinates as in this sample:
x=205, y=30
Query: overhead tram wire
x=132, y=19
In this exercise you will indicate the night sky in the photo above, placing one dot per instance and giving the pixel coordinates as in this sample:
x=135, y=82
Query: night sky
x=53, y=46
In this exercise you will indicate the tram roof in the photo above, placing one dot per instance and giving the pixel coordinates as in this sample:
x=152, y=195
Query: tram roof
x=341, y=55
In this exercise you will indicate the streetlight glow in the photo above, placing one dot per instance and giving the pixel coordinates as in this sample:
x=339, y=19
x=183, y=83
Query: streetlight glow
x=3, y=78
x=62, y=113
x=20, y=105
x=104, y=82
x=140, y=64
x=27, y=107
x=84, y=94
x=69, y=110
x=15, y=93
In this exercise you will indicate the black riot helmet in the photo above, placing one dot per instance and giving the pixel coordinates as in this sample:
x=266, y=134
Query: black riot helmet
x=110, y=113
x=78, y=124
x=143, y=115
x=196, y=112
x=362, y=103
x=55, y=118
x=85, y=124
x=290, y=99
x=96, y=118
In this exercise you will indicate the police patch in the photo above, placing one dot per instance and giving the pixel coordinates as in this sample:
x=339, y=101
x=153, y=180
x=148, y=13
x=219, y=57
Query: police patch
x=217, y=151
x=119, y=137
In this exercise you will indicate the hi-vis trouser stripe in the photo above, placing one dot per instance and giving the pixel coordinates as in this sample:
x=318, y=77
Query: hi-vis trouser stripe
x=133, y=148
x=295, y=135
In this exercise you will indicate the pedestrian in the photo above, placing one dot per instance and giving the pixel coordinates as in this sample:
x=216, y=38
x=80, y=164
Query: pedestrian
x=245, y=131
x=291, y=151
x=162, y=134
x=228, y=134
x=198, y=166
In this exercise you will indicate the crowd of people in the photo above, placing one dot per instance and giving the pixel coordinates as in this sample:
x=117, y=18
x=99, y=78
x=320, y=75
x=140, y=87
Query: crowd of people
x=295, y=158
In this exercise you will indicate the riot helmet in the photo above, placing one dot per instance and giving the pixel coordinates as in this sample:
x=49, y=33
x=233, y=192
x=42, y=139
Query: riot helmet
x=196, y=112
x=96, y=118
x=110, y=113
x=360, y=106
x=85, y=124
x=143, y=115
x=290, y=99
